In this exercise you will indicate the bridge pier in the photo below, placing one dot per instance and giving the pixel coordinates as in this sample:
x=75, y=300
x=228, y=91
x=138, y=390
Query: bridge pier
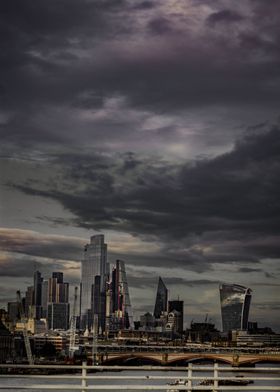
x=164, y=359
x=235, y=360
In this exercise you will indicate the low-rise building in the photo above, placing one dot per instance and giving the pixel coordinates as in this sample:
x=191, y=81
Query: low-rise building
x=33, y=326
x=243, y=338
x=6, y=343
x=59, y=341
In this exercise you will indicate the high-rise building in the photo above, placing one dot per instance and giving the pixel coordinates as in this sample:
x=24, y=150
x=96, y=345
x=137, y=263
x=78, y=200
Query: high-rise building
x=58, y=305
x=235, y=305
x=37, y=298
x=57, y=289
x=161, y=299
x=29, y=294
x=121, y=308
x=45, y=287
x=58, y=315
x=93, y=264
x=13, y=311
x=178, y=306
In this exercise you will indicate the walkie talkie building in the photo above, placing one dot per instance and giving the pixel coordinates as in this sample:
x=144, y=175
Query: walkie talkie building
x=235, y=305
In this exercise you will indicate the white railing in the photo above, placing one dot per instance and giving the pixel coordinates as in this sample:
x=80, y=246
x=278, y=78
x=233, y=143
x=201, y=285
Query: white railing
x=83, y=381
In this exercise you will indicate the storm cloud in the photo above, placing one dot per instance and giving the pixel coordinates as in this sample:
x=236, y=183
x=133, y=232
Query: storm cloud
x=154, y=122
x=229, y=203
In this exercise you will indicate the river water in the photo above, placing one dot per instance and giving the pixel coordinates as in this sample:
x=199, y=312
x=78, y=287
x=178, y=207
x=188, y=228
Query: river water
x=105, y=380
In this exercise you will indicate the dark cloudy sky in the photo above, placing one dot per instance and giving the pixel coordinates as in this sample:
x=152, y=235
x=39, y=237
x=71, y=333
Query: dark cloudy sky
x=155, y=122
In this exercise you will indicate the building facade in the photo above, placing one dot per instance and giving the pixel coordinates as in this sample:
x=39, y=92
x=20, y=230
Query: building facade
x=235, y=305
x=161, y=299
x=121, y=312
x=58, y=307
x=37, y=296
x=93, y=264
x=6, y=343
x=178, y=306
x=58, y=315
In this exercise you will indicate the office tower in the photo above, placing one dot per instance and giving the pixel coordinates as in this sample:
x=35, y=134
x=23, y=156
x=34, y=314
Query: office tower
x=58, y=315
x=58, y=276
x=13, y=312
x=37, y=298
x=93, y=264
x=45, y=286
x=29, y=294
x=235, y=305
x=57, y=289
x=121, y=307
x=161, y=299
x=99, y=303
x=178, y=306
x=58, y=305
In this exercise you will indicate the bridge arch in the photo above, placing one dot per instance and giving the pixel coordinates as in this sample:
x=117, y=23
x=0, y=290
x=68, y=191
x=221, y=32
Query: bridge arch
x=258, y=360
x=202, y=358
x=131, y=359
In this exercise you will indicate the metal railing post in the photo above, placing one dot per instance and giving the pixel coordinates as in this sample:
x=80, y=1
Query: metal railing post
x=190, y=377
x=216, y=375
x=84, y=376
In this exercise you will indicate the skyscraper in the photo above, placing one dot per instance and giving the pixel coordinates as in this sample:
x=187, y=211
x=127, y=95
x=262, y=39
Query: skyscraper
x=58, y=305
x=58, y=315
x=177, y=308
x=161, y=299
x=121, y=307
x=45, y=287
x=57, y=289
x=37, y=300
x=94, y=264
x=235, y=305
x=29, y=295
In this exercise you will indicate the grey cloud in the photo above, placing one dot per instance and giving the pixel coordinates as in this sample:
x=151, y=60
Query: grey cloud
x=24, y=267
x=271, y=306
x=143, y=82
x=144, y=5
x=233, y=196
x=35, y=244
x=151, y=281
x=160, y=25
x=248, y=270
x=170, y=76
x=224, y=16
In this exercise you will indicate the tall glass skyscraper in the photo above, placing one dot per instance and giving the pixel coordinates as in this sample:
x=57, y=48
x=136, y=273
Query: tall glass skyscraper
x=235, y=305
x=94, y=264
x=161, y=299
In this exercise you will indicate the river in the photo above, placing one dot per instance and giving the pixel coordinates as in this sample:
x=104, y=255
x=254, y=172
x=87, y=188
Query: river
x=15, y=382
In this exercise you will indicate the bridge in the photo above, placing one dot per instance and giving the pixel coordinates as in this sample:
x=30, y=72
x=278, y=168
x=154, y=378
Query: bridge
x=172, y=357
x=91, y=378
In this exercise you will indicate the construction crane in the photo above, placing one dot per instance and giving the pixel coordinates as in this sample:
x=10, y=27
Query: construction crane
x=72, y=342
x=24, y=330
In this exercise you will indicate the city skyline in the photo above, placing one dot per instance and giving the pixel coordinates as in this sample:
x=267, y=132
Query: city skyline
x=153, y=122
x=115, y=312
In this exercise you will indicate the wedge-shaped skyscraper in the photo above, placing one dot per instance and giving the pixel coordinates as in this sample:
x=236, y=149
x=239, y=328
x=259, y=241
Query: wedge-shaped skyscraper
x=235, y=305
x=161, y=299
